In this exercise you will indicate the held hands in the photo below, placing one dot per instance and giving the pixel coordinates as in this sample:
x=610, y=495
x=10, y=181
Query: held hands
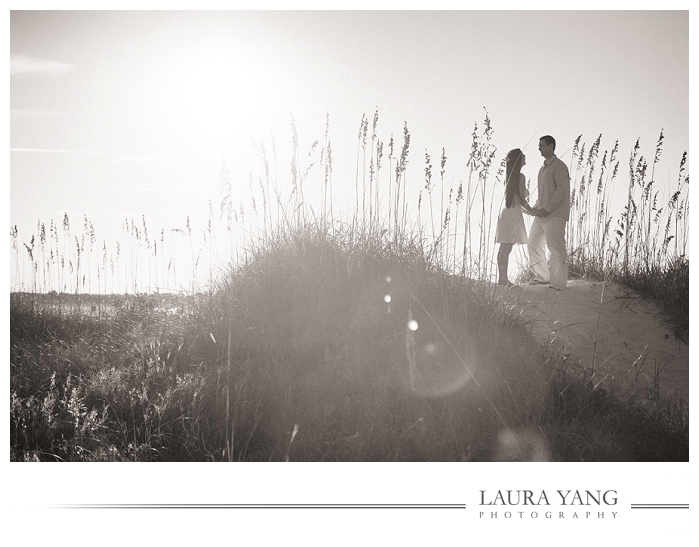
x=533, y=211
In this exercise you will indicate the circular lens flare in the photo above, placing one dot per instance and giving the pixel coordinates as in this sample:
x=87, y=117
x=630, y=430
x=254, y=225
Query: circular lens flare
x=436, y=370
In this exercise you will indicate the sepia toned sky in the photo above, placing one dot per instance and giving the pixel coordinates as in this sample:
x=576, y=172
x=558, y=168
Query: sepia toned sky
x=118, y=114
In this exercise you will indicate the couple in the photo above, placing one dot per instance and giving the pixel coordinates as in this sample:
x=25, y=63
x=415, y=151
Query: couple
x=551, y=212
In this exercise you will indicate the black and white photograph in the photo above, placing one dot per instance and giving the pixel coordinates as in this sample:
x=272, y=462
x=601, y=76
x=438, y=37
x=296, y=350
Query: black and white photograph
x=416, y=275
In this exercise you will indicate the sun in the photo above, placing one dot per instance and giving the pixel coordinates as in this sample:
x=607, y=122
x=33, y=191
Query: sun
x=221, y=98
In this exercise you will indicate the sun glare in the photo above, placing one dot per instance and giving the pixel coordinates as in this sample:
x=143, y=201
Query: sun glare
x=221, y=98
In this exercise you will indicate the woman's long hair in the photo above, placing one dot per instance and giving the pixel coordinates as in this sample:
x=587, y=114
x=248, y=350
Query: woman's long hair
x=512, y=175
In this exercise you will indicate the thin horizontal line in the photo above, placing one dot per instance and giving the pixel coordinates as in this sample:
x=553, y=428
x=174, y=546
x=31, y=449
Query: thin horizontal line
x=258, y=506
x=660, y=506
x=57, y=151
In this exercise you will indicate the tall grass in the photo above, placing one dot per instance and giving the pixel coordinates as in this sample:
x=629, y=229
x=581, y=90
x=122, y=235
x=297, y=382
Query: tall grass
x=633, y=229
x=369, y=334
x=645, y=246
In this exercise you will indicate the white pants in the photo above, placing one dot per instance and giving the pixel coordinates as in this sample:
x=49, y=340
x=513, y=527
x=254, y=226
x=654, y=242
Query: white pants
x=552, y=234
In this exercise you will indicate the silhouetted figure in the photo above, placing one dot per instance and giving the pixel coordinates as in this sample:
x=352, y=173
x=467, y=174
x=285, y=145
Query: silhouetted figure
x=551, y=213
x=511, y=230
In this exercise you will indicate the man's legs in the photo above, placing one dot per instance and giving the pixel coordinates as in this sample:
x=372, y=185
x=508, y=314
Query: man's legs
x=555, y=235
x=537, y=252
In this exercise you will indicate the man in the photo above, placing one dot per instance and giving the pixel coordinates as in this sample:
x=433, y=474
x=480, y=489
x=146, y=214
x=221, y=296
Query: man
x=551, y=213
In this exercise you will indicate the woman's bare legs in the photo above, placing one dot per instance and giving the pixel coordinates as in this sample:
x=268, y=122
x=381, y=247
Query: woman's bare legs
x=503, y=262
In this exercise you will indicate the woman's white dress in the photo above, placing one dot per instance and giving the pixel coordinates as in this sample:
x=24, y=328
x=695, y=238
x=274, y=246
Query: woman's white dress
x=511, y=227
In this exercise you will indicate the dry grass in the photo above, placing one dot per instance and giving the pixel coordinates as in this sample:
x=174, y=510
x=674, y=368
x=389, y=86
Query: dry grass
x=356, y=337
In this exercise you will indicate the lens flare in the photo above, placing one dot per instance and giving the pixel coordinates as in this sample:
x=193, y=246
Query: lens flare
x=434, y=367
x=525, y=445
x=219, y=97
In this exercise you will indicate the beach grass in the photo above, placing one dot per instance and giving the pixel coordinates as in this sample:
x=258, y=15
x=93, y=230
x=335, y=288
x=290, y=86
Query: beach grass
x=368, y=335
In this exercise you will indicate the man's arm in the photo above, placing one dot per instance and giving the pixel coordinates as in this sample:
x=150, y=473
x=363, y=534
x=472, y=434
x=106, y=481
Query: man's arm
x=561, y=180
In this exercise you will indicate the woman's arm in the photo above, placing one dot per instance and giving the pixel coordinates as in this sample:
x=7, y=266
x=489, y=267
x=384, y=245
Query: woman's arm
x=522, y=195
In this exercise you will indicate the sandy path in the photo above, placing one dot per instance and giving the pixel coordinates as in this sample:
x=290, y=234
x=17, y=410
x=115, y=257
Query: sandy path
x=611, y=331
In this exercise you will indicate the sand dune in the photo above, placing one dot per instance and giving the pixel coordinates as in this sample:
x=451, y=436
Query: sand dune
x=613, y=333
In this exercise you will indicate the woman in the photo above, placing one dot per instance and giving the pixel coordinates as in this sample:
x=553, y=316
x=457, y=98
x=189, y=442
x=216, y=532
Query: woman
x=511, y=229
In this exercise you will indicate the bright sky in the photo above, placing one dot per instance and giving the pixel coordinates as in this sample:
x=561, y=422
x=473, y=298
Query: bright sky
x=124, y=114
